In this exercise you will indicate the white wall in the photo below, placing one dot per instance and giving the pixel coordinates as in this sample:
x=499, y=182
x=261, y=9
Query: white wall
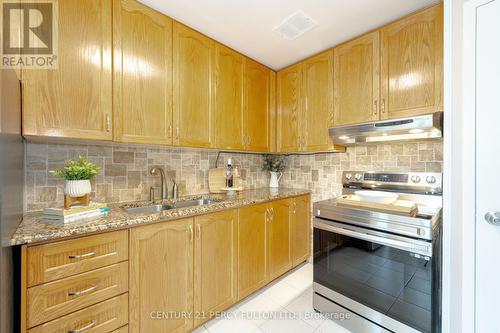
x=458, y=277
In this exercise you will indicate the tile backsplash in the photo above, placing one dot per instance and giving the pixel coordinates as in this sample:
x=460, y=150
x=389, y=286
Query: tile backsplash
x=124, y=174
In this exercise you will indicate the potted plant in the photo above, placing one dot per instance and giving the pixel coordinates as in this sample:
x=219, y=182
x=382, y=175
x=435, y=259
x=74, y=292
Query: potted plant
x=275, y=164
x=77, y=175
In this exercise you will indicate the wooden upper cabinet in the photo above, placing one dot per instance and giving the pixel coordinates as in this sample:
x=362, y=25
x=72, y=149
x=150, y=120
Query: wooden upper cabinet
x=252, y=263
x=356, y=80
x=74, y=100
x=142, y=52
x=412, y=65
x=318, y=102
x=215, y=262
x=258, y=107
x=289, y=86
x=300, y=220
x=161, y=276
x=229, y=85
x=278, y=238
x=193, y=70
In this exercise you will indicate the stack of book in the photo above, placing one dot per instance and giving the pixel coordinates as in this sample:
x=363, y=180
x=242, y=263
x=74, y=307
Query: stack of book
x=74, y=214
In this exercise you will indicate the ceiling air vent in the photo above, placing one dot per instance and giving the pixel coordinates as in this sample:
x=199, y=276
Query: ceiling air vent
x=295, y=25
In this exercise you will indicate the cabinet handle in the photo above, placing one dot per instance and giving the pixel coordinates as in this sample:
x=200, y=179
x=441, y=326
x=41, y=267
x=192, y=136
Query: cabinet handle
x=108, y=122
x=177, y=132
x=298, y=141
x=170, y=131
x=303, y=141
x=199, y=231
x=82, y=292
x=382, y=107
x=84, y=328
x=375, y=107
x=190, y=233
x=82, y=256
x=294, y=207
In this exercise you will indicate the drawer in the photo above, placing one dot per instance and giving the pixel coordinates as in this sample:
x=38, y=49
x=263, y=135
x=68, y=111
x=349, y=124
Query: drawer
x=100, y=318
x=55, y=299
x=58, y=260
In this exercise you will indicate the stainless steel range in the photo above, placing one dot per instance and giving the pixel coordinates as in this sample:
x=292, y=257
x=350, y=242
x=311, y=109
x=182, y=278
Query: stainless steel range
x=383, y=268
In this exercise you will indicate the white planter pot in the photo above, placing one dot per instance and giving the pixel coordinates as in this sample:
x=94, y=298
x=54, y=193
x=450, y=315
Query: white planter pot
x=77, y=188
x=275, y=179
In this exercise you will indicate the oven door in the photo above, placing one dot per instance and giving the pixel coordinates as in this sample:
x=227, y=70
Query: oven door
x=366, y=270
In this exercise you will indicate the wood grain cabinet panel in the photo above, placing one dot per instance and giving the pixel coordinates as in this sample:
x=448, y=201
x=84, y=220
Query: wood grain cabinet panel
x=300, y=220
x=102, y=317
x=229, y=98
x=49, y=262
x=412, y=65
x=258, y=107
x=74, y=100
x=317, y=102
x=161, y=276
x=142, y=84
x=193, y=68
x=356, y=80
x=215, y=263
x=278, y=238
x=289, y=90
x=252, y=262
x=58, y=298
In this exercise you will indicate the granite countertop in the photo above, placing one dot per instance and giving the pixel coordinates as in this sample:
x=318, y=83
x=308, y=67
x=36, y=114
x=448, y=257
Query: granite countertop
x=32, y=229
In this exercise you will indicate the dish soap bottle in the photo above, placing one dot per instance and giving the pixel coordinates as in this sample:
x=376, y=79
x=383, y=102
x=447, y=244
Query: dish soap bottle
x=229, y=173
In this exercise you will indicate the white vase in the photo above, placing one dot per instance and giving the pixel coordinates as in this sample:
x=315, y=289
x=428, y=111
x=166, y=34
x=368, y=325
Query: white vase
x=77, y=188
x=275, y=179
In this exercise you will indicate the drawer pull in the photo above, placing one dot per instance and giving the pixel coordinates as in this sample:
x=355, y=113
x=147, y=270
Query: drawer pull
x=84, y=328
x=82, y=256
x=82, y=292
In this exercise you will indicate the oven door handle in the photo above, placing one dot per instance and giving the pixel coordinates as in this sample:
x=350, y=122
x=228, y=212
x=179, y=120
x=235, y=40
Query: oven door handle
x=425, y=250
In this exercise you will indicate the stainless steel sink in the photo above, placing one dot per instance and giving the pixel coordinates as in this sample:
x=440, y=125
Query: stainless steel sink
x=161, y=207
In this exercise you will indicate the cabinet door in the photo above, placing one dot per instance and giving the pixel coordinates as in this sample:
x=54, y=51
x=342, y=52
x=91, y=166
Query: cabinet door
x=258, y=106
x=74, y=100
x=161, y=276
x=228, y=113
x=301, y=229
x=318, y=102
x=252, y=263
x=412, y=65
x=278, y=239
x=356, y=80
x=289, y=108
x=193, y=67
x=142, y=84
x=215, y=262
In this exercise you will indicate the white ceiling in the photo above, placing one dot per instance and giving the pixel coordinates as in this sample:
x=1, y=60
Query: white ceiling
x=246, y=25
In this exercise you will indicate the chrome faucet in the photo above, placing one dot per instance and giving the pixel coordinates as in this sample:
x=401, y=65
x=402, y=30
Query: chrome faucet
x=159, y=171
x=175, y=190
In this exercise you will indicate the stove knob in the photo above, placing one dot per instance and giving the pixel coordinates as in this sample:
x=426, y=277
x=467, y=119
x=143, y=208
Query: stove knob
x=415, y=179
x=348, y=176
x=358, y=176
x=431, y=179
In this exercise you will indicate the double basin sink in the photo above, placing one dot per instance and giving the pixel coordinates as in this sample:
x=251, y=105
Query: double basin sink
x=155, y=208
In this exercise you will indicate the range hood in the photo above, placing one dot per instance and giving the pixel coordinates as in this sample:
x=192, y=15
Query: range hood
x=428, y=126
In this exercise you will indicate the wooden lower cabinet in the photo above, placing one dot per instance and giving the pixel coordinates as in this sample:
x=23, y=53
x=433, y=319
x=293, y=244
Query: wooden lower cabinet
x=278, y=238
x=178, y=274
x=215, y=263
x=252, y=263
x=161, y=277
x=300, y=220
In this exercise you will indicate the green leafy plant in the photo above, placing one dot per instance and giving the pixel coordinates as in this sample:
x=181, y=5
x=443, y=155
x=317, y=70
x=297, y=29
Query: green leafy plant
x=80, y=169
x=274, y=163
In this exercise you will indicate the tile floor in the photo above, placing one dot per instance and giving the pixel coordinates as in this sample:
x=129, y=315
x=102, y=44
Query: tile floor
x=289, y=299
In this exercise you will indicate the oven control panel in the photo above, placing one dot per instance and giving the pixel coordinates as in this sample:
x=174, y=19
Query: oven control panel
x=418, y=182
